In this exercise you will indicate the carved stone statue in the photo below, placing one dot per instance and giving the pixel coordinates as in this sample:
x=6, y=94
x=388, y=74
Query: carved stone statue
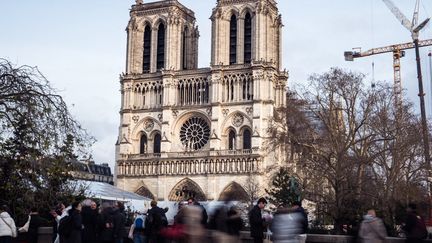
x=139, y=1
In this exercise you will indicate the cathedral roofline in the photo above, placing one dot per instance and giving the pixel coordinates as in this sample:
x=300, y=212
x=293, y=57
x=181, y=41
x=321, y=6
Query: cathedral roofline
x=228, y=2
x=165, y=4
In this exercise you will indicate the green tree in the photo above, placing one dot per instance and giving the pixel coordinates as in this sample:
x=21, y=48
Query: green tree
x=38, y=139
x=284, y=189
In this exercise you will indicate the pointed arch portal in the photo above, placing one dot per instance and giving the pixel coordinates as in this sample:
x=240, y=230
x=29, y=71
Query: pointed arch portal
x=145, y=192
x=234, y=192
x=185, y=189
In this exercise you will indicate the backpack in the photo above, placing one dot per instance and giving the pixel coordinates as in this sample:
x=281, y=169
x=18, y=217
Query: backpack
x=65, y=226
x=139, y=223
x=155, y=221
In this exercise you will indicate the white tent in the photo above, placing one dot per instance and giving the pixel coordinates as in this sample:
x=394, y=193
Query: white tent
x=108, y=192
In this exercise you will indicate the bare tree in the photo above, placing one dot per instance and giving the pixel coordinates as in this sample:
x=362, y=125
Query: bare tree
x=351, y=147
x=252, y=188
x=398, y=169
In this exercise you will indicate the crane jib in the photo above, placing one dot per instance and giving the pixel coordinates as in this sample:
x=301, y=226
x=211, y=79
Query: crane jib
x=392, y=48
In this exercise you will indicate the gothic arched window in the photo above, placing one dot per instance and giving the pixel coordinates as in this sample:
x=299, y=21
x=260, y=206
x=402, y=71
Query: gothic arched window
x=185, y=47
x=247, y=143
x=143, y=144
x=147, y=49
x=157, y=144
x=233, y=39
x=231, y=140
x=247, y=38
x=160, y=63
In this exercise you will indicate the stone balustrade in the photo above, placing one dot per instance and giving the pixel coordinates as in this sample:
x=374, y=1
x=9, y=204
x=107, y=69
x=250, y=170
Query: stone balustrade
x=190, y=154
x=210, y=162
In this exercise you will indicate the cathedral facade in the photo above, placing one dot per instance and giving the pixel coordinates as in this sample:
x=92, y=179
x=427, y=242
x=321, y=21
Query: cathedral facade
x=201, y=132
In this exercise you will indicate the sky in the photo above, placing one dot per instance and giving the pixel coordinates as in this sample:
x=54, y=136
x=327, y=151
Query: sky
x=80, y=47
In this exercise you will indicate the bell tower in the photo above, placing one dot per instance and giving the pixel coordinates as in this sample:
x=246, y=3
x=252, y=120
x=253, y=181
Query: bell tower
x=156, y=32
x=246, y=30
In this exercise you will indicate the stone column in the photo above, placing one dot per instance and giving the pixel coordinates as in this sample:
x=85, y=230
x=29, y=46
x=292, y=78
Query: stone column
x=214, y=42
x=265, y=40
x=153, y=50
x=179, y=46
x=253, y=39
x=128, y=49
x=240, y=40
x=256, y=36
x=169, y=30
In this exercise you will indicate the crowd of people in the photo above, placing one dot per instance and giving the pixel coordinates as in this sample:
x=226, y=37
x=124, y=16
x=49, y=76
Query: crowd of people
x=80, y=222
x=88, y=222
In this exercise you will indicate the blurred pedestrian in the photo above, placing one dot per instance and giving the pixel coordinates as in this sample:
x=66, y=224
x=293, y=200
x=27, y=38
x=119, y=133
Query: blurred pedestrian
x=137, y=229
x=62, y=212
x=119, y=223
x=218, y=223
x=256, y=221
x=204, y=215
x=194, y=229
x=7, y=226
x=287, y=225
x=89, y=215
x=32, y=226
x=75, y=225
x=56, y=218
x=106, y=223
x=155, y=222
x=234, y=223
x=372, y=229
x=415, y=227
x=297, y=207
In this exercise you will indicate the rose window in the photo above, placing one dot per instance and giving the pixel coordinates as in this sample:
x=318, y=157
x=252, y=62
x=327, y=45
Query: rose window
x=194, y=133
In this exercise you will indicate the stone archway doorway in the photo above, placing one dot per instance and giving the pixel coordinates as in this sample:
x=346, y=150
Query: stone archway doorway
x=234, y=192
x=145, y=192
x=185, y=189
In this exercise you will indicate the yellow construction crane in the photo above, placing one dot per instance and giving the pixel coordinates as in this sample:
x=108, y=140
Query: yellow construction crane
x=398, y=52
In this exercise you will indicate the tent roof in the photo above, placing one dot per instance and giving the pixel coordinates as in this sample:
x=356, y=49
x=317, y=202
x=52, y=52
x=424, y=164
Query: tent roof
x=109, y=192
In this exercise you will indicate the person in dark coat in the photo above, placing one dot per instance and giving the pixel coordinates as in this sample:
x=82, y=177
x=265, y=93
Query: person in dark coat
x=36, y=221
x=106, y=224
x=76, y=220
x=257, y=223
x=89, y=216
x=297, y=207
x=415, y=227
x=204, y=215
x=156, y=221
x=119, y=223
x=234, y=221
